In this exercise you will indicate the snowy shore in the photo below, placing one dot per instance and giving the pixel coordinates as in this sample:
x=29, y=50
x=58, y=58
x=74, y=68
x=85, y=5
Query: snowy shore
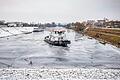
x=59, y=74
x=9, y=31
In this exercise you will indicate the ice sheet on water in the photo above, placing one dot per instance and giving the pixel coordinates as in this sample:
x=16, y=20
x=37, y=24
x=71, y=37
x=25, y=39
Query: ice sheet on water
x=82, y=52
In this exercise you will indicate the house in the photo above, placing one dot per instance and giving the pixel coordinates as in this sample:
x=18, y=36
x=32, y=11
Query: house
x=100, y=23
x=11, y=25
x=113, y=24
x=90, y=22
x=15, y=24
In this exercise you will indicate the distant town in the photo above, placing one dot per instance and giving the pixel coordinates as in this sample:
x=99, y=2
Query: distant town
x=3, y=23
x=104, y=23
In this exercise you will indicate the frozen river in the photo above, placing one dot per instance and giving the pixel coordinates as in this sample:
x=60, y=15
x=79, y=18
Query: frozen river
x=18, y=51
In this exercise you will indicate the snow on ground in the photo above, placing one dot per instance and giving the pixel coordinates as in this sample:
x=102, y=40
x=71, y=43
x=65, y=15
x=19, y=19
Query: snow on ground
x=8, y=31
x=59, y=74
x=4, y=33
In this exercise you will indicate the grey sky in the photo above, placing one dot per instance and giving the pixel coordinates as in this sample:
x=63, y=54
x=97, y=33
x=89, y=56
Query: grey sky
x=58, y=10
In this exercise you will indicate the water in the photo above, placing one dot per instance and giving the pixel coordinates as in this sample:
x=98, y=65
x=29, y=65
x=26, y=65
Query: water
x=18, y=51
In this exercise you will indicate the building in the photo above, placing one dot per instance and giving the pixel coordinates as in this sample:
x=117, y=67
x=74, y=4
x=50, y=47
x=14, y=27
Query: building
x=90, y=22
x=11, y=25
x=113, y=24
x=2, y=22
x=100, y=23
x=15, y=24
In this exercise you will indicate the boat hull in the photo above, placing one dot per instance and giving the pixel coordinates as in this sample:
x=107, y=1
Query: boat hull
x=58, y=43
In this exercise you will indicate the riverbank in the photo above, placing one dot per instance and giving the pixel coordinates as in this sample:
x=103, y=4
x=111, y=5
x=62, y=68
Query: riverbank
x=11, y=31
x=59, y=74
x=105, y=35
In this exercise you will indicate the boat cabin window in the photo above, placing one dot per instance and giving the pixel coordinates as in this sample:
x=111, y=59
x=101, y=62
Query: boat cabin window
x=59, y=32
x=55, y=32
x=60, y=38
x=47, y=36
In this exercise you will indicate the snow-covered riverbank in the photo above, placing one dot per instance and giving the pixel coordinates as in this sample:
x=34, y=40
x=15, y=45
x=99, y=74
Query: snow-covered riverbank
x=9, y=31
x=59, y=74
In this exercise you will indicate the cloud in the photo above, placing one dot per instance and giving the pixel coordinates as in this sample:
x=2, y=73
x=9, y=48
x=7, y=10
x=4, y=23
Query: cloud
x=58, y=10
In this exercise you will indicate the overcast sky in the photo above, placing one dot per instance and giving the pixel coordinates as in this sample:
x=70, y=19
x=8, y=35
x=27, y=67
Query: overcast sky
x=58, y=10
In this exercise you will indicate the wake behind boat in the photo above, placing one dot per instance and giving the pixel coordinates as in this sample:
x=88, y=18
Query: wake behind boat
x=57, y=38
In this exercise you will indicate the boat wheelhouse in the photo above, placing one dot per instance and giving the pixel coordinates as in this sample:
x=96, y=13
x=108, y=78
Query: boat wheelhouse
x=57, y=38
